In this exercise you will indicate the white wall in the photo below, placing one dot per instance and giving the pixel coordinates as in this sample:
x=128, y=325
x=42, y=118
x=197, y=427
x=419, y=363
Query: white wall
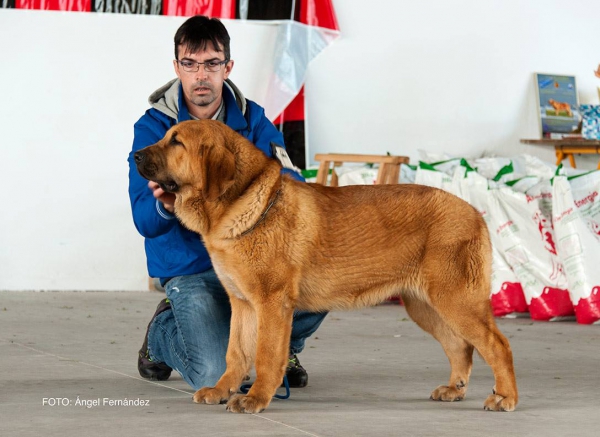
x=451, y=76
x=74, y=84
x=443, y=76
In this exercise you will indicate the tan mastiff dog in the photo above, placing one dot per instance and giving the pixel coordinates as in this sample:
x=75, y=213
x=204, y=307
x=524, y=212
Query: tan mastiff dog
x=278, y=245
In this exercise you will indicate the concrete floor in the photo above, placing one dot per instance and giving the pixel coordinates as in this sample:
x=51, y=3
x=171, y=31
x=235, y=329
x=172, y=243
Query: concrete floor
x=371, y=372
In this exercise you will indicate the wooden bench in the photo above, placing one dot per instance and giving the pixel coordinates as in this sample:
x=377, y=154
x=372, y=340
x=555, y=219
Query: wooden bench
x=389, y=166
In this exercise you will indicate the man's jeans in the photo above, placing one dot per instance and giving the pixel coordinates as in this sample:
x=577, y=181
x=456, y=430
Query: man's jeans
x=192, y=337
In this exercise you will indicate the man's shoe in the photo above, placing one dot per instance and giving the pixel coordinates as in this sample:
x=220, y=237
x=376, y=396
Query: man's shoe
x=150, y=369
x=296, y=375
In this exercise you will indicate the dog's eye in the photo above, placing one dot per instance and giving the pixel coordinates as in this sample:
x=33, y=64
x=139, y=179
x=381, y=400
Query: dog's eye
x=174, y=141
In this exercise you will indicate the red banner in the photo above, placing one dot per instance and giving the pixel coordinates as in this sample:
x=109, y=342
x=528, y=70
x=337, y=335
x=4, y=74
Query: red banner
x=213, y=9
x=318, y=13
x=55, y=5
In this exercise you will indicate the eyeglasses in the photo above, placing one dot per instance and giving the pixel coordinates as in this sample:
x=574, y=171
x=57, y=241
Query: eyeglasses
x=193, y=66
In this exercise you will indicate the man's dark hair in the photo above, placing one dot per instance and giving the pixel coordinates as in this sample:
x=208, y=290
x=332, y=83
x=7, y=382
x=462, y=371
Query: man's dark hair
x=198, y=31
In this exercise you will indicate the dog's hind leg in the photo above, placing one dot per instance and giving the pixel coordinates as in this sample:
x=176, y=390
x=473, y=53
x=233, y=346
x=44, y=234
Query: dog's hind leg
x=458, y=288
x=240, y=354
x=473, y=320
x=458, y=351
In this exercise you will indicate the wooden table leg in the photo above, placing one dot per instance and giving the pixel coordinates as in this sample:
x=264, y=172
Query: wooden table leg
x=334, y=178
x=559, y=156
x=323, y=172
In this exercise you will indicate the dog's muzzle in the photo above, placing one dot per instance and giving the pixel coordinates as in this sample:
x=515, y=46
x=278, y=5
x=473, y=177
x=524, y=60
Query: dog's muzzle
x=144, y=167
x=148, y=169
x=139, y=157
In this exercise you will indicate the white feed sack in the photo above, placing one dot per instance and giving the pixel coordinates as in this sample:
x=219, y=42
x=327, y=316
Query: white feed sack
x=526, y=238
x=576, y=207
x=546, y=238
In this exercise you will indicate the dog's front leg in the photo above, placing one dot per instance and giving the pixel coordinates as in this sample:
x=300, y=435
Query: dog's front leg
x=274, y=330
x=240, y=354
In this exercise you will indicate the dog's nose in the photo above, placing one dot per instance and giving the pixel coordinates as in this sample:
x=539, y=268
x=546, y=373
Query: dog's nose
x=139, y=157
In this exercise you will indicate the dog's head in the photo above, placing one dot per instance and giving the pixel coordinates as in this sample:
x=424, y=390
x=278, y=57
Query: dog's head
x=192, y=154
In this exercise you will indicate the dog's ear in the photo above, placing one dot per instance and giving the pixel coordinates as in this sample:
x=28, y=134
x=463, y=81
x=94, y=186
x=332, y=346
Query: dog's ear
x=218, y=170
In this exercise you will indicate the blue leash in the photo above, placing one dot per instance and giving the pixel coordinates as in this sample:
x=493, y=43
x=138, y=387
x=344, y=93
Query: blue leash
x=246, y=388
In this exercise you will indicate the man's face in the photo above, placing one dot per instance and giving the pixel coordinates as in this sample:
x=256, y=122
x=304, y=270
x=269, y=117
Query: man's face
x=202, y=89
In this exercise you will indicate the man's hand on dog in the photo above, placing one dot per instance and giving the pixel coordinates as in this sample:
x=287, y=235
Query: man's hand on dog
x=167, y=199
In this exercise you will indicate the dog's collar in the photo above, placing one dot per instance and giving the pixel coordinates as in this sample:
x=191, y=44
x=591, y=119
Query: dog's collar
x=264, y=214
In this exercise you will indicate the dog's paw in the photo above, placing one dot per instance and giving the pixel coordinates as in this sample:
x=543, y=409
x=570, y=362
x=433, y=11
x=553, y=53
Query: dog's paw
x=246, y=404
x=211, y=396
x=496, y=402
x=448, y=394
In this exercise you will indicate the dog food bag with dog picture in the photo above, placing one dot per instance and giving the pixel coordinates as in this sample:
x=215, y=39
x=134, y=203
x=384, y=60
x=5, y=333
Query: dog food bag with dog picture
x=576, y=206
